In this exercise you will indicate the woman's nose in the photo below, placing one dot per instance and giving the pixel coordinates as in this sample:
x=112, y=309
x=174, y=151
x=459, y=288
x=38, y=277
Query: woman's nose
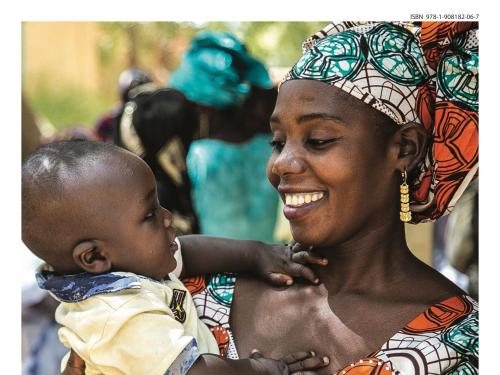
x=289, y=161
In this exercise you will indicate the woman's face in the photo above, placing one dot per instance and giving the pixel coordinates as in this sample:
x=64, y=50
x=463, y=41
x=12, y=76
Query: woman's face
x=336, y=179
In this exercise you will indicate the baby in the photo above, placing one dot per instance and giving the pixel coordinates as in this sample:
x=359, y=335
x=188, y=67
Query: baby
x=91, y=212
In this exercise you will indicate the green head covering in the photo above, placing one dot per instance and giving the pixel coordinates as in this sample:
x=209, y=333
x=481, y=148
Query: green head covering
x=217, y=71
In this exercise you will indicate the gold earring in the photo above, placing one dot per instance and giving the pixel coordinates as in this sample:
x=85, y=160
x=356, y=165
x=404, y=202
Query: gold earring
x=405, y=214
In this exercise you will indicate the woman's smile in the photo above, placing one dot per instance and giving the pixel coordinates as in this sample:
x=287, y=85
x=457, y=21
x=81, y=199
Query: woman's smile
x=297, y=205
x=300, y=199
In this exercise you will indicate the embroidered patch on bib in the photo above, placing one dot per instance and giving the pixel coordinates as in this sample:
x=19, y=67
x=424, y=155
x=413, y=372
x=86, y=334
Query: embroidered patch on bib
x=176, y=305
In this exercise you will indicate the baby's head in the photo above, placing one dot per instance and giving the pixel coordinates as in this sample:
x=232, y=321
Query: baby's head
x=92, y=206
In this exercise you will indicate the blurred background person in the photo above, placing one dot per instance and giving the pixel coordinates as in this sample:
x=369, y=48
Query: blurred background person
x=129, y=79
x=462, y=250
x=159, y=125
x=456, y=245
x=226, y=163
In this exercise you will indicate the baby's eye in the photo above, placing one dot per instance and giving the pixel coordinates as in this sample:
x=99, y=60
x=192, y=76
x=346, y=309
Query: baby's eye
x=151, y=214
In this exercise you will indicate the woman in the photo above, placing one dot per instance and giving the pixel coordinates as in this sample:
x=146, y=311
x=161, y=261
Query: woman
x=367, y=110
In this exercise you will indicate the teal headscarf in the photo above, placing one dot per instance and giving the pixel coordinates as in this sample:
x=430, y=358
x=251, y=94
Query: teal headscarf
x=217, y=71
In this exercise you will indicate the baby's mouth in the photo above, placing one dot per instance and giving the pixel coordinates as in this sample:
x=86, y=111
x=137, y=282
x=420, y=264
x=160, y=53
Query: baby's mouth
x=173, y=246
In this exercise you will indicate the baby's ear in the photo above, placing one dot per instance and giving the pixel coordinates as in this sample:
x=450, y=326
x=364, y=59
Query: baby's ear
x=89, y=257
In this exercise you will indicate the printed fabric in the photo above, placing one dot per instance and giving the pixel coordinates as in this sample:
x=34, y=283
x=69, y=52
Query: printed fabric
x=442, y=340
x=213, y=296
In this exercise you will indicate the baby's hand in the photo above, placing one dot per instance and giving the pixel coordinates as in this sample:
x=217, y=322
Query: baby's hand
x=296, y=363
x=279, y=264
x=75, y=365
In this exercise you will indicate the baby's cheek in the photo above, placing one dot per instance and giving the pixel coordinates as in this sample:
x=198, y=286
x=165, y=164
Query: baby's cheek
x=170, y=266
x=170, y=259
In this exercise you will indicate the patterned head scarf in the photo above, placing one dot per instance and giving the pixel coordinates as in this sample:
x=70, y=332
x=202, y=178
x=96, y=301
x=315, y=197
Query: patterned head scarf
x=424, y=72
x=217, y=71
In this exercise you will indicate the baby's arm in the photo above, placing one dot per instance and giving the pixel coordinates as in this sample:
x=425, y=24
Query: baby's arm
x=207, y=364
x=275, y=263
x=296, y=363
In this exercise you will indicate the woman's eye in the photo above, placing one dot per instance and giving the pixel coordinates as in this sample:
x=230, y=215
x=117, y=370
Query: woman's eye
x=319, y=143
x=277, y=145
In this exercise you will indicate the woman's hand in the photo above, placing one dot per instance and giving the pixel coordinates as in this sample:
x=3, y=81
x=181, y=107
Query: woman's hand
x=295, y=363
x=75, y=365
x=280, y=264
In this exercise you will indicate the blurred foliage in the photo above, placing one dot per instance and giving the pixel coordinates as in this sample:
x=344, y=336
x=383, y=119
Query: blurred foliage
x=70, y=107
x=157, y=47
x=277, y=43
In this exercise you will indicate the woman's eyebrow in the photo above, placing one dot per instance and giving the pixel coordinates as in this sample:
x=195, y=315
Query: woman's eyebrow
x=320, y=116
x=311, y=117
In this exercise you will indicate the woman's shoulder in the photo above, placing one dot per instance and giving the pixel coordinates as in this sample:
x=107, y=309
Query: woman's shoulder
x=451, y=312
x=428, y=285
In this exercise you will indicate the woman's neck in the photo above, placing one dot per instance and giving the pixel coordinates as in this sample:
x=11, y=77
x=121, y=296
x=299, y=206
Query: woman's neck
x=372, y=261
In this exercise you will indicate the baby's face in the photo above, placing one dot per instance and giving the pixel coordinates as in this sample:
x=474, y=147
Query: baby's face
x=119, y=208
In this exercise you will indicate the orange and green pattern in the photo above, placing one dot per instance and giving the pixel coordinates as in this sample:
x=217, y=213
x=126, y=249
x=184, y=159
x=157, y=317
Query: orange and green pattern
x=442, y=340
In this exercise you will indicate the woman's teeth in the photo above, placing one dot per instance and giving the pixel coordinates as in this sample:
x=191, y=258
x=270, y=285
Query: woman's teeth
x=299, y=199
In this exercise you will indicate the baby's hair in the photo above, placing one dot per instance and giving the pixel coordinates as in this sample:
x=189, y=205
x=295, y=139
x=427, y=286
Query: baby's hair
x=47, y=165
x=44, y=175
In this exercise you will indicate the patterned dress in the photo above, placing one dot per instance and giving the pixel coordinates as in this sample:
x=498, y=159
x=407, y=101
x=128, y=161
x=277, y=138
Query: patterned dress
x=441, y=340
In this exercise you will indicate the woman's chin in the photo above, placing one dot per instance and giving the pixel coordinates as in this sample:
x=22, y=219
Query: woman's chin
x=304, y=235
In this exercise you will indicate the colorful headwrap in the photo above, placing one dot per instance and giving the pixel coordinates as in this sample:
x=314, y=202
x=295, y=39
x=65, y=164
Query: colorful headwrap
x=425, y=72
x=217, y=71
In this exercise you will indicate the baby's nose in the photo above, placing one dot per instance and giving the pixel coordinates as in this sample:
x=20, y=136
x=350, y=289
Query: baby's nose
x=167, y=218
x=167, y=222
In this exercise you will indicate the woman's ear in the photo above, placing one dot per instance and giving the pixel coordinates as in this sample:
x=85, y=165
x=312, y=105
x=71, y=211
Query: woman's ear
x=89, y=257
x=411, y=139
